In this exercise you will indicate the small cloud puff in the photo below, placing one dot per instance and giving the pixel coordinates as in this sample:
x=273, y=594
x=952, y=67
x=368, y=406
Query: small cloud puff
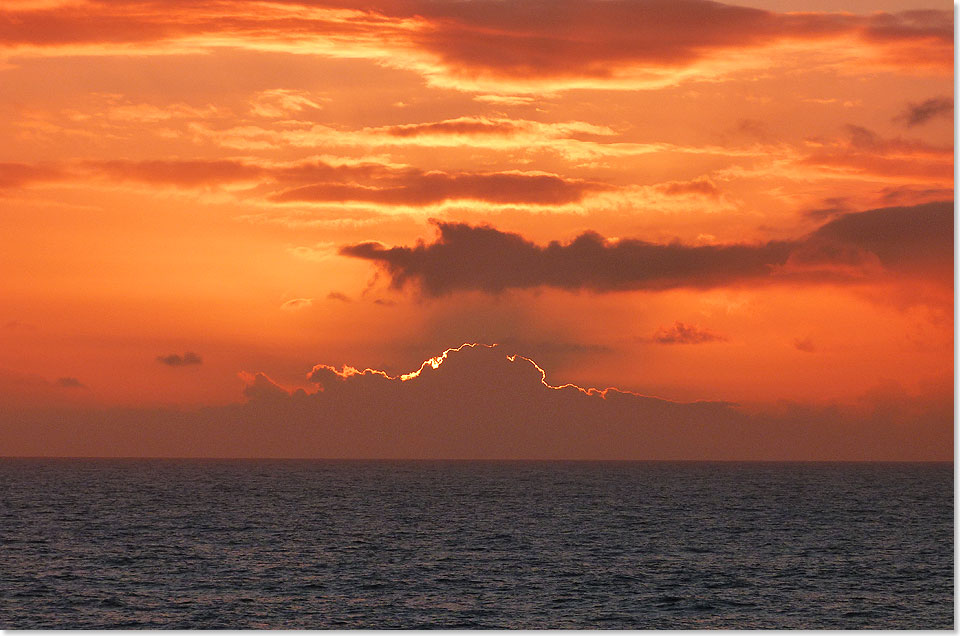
x=681, y=333
x=176, y=360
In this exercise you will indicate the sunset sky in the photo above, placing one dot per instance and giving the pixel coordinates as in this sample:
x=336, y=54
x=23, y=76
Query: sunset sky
x=206, y=206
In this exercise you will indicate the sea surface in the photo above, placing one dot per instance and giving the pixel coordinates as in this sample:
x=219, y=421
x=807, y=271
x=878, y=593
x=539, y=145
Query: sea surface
x=355, y=544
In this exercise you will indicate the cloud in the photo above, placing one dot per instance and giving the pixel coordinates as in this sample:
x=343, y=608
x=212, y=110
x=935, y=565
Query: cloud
x=490, y=46
x=701, y=186
x=867, y=155
x=282, y=102
x=481, y=257
x=69, y=383
x=681, y=333
x=804, y=344
x=916, y=239
x=295, y=304
x=19, y=390
x=262, y=389
x=569, y=139
x=338, y=296
x=415, y=188
x=916, y=114
x=469, y=126
x=913, y=240
x=478, y=402
x=479, y=130
x=15, y=175
x=596, y=38
x=176, y=360
x=328, y=182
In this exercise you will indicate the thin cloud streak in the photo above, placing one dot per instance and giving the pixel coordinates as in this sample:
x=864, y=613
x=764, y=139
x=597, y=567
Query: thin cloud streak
x=317, y=181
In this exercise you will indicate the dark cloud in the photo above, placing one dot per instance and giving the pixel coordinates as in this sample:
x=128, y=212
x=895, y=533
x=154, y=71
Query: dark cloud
x=593, y=37
x=916, y=114
x=913, y=240
x=176, y=360
x=916, y=239
x=831, y=207
x=804, y=344
x=681, y=333
x=371, y=182
x=483, y=404
x=15, y=175
x=906, y=195
x=491, y=38
x=263, y=389
x=481, y=257
x=338, y=296
x=862, y=138
x=69, y=383
x=865, y=152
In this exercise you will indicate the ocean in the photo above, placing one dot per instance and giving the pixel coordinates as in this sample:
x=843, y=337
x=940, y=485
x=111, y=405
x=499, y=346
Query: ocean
x=234, y=544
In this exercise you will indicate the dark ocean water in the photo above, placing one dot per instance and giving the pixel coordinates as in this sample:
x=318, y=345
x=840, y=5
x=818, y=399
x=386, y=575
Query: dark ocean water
x=328, y=544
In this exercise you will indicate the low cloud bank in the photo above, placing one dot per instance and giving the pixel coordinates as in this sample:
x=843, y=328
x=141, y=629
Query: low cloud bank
x=479, y=403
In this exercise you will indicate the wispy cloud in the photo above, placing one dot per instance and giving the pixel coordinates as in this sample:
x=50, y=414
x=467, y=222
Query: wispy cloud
x=935, y=107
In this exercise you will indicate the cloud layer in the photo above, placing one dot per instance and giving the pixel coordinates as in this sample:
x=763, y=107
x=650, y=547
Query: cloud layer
x=904, y=239
x=597, y=42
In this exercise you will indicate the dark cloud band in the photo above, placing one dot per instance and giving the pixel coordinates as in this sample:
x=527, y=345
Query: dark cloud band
x=464, y=257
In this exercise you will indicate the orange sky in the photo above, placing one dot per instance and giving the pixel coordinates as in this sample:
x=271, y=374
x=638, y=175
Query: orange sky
x=683, y=199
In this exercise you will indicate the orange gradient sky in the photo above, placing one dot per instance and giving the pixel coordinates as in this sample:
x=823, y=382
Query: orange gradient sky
x=742, y=204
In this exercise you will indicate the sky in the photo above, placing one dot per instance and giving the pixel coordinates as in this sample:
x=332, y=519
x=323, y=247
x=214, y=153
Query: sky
x=613, y=229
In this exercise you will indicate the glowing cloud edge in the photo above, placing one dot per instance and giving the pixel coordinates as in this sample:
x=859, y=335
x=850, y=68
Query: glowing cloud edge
x=347, y=371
